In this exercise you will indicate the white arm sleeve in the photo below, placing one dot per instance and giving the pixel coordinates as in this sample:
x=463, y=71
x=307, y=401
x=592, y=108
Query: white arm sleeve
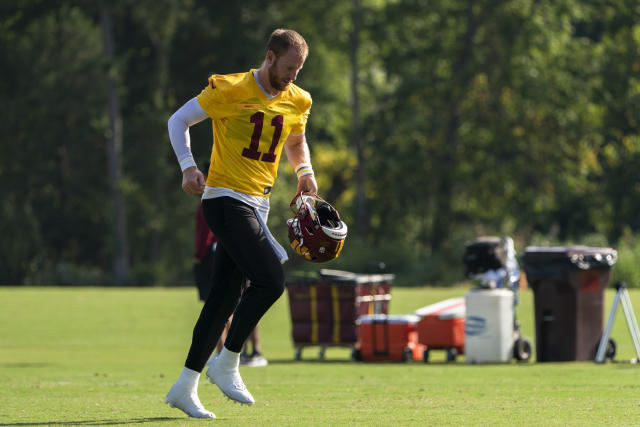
x=187, y=115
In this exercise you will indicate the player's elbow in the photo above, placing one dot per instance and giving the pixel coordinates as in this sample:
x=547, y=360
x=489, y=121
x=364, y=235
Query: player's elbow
x=173, y=121
x=176, y=124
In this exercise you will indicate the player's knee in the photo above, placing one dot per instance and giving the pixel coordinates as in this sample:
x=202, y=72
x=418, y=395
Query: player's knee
x=270, y=286
x=275, y=286
x=278, y=285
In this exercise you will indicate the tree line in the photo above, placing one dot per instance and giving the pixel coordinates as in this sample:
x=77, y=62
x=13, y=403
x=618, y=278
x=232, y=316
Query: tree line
x=433, y=122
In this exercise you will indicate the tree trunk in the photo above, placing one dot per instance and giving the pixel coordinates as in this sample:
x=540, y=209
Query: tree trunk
x=356, y=137
x=114, y=154
x=160, y=159
x=448, y=162
x=161, y=29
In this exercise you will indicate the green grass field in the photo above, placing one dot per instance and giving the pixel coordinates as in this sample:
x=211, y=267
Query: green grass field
x=105, y=356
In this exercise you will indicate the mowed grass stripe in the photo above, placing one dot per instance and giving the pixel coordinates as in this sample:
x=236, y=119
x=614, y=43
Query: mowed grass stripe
x=101, y=356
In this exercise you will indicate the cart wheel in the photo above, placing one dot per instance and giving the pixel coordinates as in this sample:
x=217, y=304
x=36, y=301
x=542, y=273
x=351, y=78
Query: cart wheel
x=298, y=355
x=425, y=356
x=407, y=355
x=610, y=352
x=321, y=352
x=452, y=353
x=355, y=355
x=522, y=349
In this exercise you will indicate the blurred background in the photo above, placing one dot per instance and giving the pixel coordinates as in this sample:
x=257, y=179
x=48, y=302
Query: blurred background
x=433, y=122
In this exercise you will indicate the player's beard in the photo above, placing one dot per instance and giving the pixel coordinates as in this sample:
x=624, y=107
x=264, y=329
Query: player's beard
x=277, y=82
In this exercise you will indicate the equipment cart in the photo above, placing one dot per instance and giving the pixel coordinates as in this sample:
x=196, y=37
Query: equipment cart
x=324, y=307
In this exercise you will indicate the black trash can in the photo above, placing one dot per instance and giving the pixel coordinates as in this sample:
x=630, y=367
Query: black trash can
x=568, y=284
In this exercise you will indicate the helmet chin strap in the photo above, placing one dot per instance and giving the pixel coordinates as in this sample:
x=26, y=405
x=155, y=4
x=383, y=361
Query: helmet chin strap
x=309, y=202
x=312, y=212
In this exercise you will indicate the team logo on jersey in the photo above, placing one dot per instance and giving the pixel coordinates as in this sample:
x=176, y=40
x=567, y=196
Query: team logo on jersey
x=267, y=190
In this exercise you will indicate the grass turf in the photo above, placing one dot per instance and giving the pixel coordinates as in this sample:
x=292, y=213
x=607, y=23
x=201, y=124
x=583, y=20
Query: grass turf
x=107, y=356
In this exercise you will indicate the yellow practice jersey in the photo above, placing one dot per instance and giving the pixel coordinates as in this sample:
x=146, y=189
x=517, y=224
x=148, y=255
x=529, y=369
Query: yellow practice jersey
x=249, y=130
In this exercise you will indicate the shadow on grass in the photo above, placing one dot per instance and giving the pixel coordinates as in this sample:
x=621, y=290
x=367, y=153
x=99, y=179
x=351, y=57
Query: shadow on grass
x=440, y=363
x=317, y=360
x=26, y=365
x=98, y=422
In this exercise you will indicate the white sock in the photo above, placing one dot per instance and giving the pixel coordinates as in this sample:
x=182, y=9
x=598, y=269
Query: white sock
x=228, y=359
x=189, y=378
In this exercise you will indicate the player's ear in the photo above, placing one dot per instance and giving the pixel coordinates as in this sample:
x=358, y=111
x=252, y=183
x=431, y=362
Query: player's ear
x=271, y=57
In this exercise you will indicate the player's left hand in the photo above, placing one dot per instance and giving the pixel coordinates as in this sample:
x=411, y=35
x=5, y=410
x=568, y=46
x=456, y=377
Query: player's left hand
x=307, y=184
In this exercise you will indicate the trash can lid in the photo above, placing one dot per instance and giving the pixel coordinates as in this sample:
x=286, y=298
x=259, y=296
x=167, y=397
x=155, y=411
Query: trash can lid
x=546, y=260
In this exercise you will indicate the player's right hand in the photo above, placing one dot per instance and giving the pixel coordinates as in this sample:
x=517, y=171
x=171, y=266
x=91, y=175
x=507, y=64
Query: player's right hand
x=193, y=181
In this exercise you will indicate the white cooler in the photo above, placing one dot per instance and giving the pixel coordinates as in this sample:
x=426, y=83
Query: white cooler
x=489, y=326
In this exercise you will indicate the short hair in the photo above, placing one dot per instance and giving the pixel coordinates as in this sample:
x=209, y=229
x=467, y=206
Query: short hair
x=281, y=40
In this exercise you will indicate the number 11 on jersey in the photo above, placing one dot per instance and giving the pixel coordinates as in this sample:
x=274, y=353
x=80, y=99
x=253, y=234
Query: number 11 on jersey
x=252, y=152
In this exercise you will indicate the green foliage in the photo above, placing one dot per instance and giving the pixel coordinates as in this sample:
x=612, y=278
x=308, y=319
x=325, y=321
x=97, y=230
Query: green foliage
x=627, y=268
x=516, y=117
x=52, y=144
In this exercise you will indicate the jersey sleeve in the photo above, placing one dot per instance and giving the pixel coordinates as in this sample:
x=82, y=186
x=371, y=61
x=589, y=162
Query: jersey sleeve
x=300, y=126
x=212, y=100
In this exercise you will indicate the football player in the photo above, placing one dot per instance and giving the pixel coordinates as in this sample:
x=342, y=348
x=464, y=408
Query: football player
x=255, y=115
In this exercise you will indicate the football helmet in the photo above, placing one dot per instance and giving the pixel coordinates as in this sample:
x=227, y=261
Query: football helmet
x=316, y=232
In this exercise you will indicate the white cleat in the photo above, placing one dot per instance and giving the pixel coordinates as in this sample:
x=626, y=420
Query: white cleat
x=229, y=382
x=187, y=401
x=212, y=359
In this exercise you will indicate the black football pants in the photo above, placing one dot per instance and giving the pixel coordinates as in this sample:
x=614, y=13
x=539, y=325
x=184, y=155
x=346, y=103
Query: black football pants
x=243, y=251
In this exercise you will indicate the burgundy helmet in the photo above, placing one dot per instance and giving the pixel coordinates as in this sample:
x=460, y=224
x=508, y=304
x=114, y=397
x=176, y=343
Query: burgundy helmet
x=316, y=232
